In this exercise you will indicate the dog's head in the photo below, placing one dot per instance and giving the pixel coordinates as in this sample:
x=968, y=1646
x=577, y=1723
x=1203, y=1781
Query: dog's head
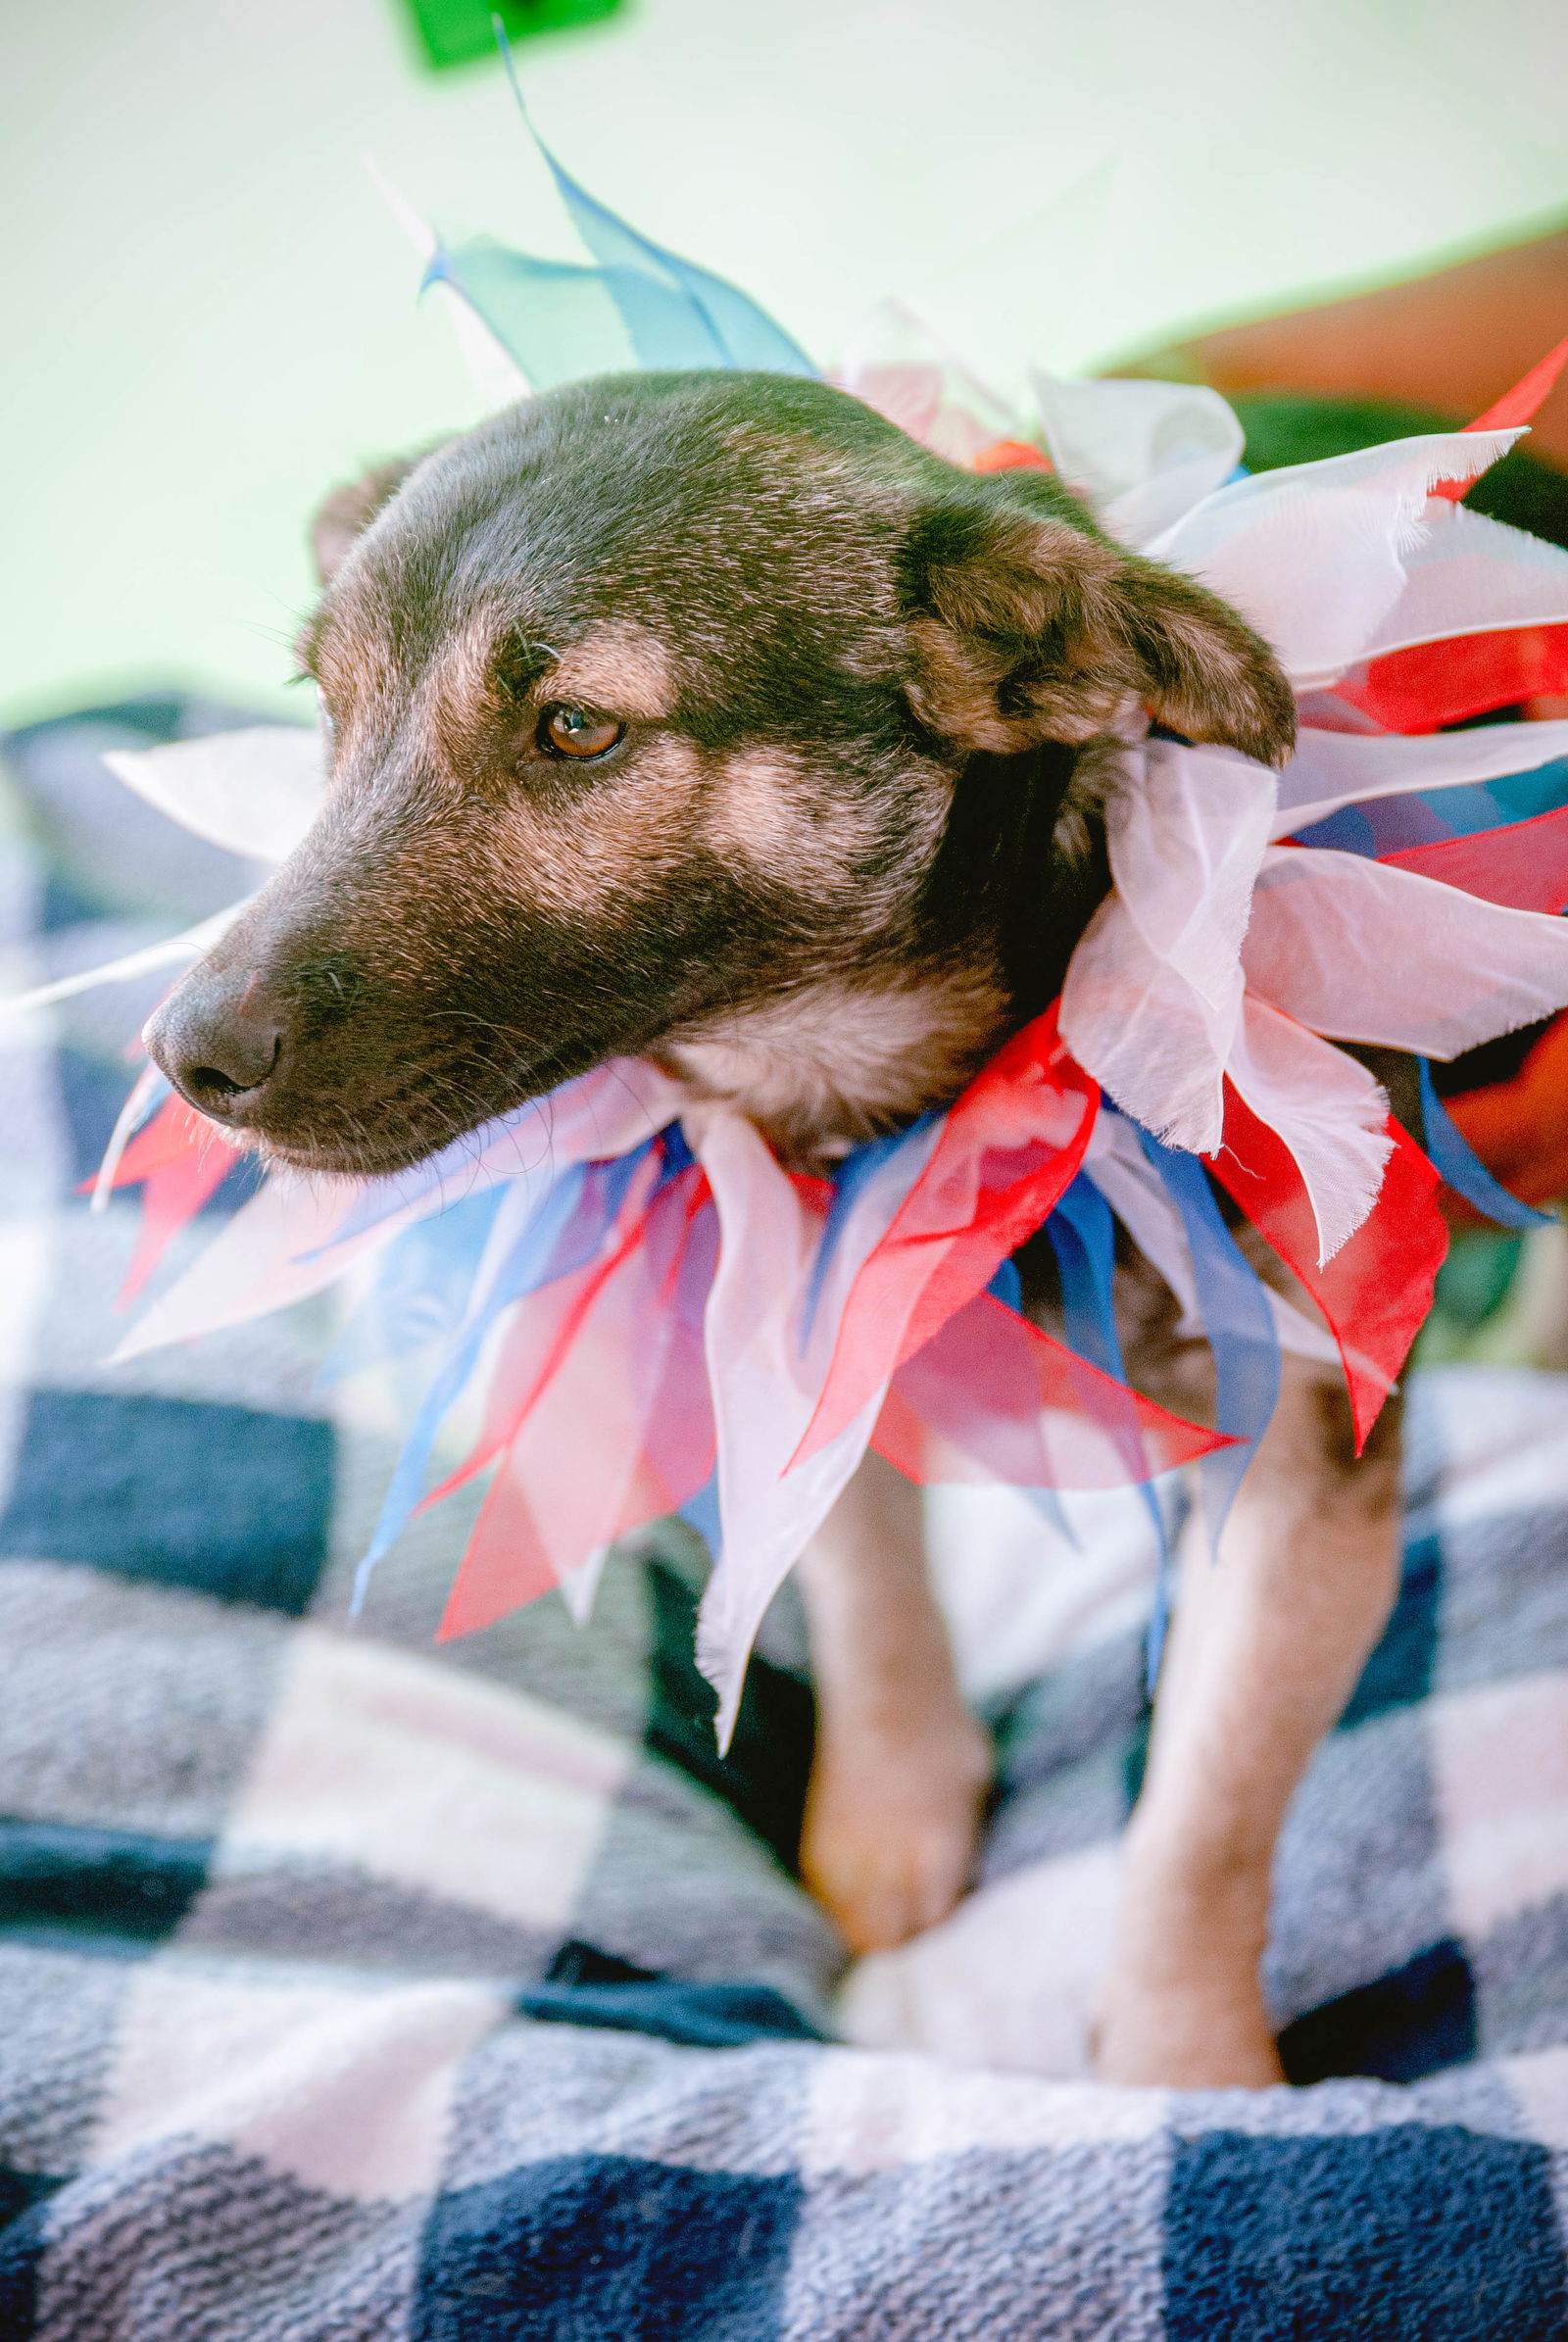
x=651, y=703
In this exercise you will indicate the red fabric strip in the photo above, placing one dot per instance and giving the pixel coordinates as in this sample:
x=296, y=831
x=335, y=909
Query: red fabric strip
x=1432, y=684
x=547, y=1324
x=505, y=1564
x=1520, y=405
x=617, y=1434
x=1011, y=1144
x=991, y=1398
x=1523, y=865
x=180, y=1159
x=1377, y=1289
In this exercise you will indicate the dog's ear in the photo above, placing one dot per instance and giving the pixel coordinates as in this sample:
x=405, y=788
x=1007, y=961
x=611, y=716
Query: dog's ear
x=342, y=516
x=1028, y=627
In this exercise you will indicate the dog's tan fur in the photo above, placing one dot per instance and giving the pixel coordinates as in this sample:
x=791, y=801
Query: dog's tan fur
x=824, y=1068
x=613, y=842
x=1267, y=1646
x=832, y=859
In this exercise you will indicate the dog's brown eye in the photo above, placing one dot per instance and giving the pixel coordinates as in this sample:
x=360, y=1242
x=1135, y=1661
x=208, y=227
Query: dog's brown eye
x=574, y=732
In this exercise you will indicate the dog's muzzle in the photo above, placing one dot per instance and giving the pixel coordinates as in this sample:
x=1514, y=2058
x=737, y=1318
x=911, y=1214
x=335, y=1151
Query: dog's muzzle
x=221, y=1038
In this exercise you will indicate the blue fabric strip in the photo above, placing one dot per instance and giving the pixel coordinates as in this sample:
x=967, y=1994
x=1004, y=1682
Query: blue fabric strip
x=1457, y=1162
x=701, y=1512
x=740, y=334
x=1007, y=1286
x=524, y=1269
x=1240, y=1326
x=562, y=1235
x=421, y=1288
x=1083, y=1238
x=850, y=1178
x=559, y=319
x=1424, y=817
x=642, y=305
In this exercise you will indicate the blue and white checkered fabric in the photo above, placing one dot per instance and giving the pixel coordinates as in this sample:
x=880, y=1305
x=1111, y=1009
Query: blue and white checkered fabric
x=353, y=1991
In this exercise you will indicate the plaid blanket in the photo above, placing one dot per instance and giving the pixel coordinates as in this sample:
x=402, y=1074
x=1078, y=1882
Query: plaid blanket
x=353, y=1990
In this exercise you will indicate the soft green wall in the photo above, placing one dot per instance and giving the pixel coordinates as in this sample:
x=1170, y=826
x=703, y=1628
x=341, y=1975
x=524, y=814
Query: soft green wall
x=209, y=316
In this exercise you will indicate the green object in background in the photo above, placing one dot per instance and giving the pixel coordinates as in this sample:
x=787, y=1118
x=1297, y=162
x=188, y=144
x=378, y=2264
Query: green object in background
x=456, y=31
x=1475, y=1318
x=1474, y=1281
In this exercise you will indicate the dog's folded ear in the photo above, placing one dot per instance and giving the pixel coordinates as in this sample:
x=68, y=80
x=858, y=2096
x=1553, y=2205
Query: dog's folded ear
x=349, y=511
x=1028, y=627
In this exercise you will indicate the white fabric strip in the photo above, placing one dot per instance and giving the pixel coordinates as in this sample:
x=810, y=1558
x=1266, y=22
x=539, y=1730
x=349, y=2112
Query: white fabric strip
x=1122, y=1172
x=894, y=364
x=1362, y=951
x=1124, y=1175
x=282, y=1246
x=255, y=1264
x=1326, y=1108
x=175, y=950
x=1314, y=554
x=1154, y=994
x=146, y=1091
x=1472, y=576
x=1143, y=453
x=255, y=792
x=765, y=1389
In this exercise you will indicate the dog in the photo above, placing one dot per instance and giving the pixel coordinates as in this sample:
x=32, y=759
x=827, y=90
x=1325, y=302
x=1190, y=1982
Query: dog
x=707, y=717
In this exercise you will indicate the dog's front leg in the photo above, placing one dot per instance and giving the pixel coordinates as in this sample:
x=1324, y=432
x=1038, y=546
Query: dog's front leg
x=1266, y=1648
x=902, y=1765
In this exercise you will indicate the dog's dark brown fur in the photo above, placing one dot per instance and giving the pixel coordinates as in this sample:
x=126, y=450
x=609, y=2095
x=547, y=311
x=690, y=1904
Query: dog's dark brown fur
x=844, y=833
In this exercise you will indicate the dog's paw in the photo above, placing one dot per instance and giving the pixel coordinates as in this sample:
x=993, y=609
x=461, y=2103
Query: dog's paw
x=1185, y=2038
x=892, y=1815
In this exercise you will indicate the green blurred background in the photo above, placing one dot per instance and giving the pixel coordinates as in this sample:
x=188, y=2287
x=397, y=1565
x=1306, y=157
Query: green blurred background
x=210, y=314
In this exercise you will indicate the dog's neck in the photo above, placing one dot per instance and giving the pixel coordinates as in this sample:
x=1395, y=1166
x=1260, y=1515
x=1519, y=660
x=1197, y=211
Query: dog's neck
x=828, y=1065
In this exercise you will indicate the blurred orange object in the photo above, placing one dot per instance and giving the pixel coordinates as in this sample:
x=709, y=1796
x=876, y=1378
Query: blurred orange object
x=1519, y=1128
x=1452, y=340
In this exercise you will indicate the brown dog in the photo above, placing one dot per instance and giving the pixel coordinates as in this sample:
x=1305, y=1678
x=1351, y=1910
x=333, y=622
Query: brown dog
x=707, y=716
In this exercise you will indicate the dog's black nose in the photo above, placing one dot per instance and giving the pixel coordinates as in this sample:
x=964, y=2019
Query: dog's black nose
x=219, y=1039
